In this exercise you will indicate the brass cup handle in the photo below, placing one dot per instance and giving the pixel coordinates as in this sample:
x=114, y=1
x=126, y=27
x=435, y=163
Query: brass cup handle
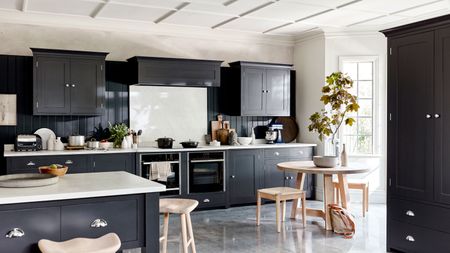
x=31, y=163
x=69, y=162
x=15, y=233
x=99, y=223
x=410, y=213
x=206, y=201
x=277, y=153
x=409, y=238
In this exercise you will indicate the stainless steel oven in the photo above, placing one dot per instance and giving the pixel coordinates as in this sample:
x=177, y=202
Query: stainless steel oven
x=164, y=169
x=206, y=172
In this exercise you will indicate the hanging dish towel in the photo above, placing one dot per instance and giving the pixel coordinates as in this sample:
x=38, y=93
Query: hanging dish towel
x=160, y=171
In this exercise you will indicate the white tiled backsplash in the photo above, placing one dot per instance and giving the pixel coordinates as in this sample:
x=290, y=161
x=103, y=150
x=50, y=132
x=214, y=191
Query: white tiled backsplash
x=176, y=112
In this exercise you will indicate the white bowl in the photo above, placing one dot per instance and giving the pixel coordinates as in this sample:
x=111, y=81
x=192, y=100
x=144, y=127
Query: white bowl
x=325, y=161
x=244, y=140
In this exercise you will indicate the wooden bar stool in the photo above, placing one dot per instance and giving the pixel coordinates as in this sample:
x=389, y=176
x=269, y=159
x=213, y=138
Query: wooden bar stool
x=362, y=185
x=280, y=194
x=184, y=207
x=109, y=243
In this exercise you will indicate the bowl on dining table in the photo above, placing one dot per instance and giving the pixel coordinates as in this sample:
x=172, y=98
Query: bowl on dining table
x=325, y=161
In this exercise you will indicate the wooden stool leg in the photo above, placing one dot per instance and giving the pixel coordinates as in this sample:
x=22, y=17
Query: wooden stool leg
x=278, y=214
x=165, y=232
x=283, y=211
x=258, y=209
x=303, y=199
x=367, y=198
x=191, y=233
x=364, y=202
x=184, y=233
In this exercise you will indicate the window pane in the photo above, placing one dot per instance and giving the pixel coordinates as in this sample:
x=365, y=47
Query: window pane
x=364, y=126
x=365, y=144
x=350, y=69
x=351, y=130
x=365, y=71
x=365, y=107
x=365, y=89
x=351, y=144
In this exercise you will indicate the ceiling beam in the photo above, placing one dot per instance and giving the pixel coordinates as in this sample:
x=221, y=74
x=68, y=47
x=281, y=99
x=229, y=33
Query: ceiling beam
x=259, y=7
x=99, y=8
x=24, y=5
x=170, y=13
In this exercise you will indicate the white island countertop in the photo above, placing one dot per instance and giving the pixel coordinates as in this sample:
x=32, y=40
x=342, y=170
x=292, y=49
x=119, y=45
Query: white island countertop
x=9, y=153
x=83, y=185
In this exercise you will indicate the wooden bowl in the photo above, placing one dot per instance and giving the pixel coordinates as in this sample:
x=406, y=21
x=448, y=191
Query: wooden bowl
x=57, y=172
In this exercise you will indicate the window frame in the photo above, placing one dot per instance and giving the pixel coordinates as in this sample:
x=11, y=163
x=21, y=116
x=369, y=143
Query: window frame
x=376, y=121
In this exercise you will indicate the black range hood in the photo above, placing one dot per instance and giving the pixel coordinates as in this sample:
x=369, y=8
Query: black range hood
x=157, y=71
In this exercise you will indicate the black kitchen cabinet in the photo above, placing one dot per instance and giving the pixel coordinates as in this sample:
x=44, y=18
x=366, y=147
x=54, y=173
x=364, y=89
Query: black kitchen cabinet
x=418, y=166
x=68, y=82
x=114, y=162
x=256, y=89
x=174, y=72
x=244, y=175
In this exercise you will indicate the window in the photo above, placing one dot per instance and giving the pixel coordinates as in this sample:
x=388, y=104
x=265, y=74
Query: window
x=360, y=139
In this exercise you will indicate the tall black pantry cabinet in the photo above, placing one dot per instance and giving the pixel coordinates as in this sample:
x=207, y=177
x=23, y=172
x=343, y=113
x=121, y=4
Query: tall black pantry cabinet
x=418, y=163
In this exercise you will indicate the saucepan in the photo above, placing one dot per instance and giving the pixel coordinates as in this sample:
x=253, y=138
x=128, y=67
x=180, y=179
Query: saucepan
x=76, y=140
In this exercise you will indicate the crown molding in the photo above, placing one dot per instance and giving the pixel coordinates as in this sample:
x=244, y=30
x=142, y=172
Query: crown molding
x=140, y=27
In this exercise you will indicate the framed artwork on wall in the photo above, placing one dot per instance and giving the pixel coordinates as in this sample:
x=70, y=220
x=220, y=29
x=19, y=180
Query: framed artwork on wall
x=8, y=110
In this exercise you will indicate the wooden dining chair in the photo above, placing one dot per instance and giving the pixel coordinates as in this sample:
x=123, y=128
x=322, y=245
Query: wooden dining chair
x=358, y=184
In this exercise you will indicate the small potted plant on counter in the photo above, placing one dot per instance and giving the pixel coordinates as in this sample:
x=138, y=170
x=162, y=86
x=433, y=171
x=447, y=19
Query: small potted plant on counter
x=338, y=101
x=118, y=132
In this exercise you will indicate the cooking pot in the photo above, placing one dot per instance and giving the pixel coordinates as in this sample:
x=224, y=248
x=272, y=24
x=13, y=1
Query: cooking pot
x=76, y=140
x=165, y=142
x=94, y=144
x=189, y=144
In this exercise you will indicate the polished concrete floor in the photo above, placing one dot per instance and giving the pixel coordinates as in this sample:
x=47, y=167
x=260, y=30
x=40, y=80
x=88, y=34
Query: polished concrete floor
x=234, y=230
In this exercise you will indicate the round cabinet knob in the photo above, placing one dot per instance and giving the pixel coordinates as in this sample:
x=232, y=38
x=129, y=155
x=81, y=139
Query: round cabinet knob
x=428, y=116
x=15, y=233
x=73, y=85
x=409, y=238
x=67, y=85
x=99, y=223
x=437, y=116
x=292, y=177
x=287, y=178
x=233, y=176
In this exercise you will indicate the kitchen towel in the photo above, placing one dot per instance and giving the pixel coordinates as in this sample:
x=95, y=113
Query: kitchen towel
x=160, y=171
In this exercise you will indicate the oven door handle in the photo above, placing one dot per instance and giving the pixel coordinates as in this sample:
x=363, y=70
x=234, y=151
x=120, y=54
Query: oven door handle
x=207, y=161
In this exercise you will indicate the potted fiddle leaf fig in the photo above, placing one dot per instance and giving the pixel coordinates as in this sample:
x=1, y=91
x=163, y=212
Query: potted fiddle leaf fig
x=338, y=103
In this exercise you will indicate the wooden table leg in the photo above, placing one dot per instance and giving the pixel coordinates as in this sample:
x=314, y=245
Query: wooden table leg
x=343, y=190
x=299, y=185
x=327, y=199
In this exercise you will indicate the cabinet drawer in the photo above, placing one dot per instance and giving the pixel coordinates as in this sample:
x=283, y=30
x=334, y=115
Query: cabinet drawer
x=209, y=200
x=95, y=219
x=288, y=152
x=39, y=223
x=76, y=164
x=429, y=216
x=410, y=238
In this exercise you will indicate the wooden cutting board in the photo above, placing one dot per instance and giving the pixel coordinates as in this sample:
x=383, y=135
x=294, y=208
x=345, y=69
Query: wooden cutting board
x=216, y=125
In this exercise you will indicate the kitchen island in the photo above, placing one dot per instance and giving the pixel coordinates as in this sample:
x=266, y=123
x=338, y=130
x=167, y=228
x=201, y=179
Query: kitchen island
x=82, y=205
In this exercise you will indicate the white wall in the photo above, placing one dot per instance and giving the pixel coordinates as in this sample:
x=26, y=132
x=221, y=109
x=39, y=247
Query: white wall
x=16, y=39
x=318, y=56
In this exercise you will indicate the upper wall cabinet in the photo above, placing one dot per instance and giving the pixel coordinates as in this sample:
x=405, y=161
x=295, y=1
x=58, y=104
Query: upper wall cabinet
x=174, y=72
x=68, y=82
x=256, y=89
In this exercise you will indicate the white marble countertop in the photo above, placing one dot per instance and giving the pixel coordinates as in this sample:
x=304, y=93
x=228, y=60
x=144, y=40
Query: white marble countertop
x=10, y=153
x=83, y=185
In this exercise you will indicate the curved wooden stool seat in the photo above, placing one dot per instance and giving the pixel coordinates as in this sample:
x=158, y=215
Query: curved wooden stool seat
x=109, y=243
x=184, y=207
x=359, y=184
x=280, y=194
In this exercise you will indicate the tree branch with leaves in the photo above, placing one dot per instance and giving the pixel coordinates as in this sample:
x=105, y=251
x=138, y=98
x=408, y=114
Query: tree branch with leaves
x=338, y=102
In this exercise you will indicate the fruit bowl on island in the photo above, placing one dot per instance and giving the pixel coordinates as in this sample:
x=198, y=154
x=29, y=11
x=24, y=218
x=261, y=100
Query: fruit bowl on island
x=54, y=169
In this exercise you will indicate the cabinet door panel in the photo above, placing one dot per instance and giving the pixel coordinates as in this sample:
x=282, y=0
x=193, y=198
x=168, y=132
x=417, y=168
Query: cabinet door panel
x=273, y=177
x=244, y=176
x=278, y=92
x=114, y=162
x=410, y=132
x=253, y=98
x=37, y=223
x=51, y=94
x=87, y=90
x=442, y=124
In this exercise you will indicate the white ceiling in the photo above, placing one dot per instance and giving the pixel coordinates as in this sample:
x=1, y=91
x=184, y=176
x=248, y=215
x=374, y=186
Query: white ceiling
x=273, y=17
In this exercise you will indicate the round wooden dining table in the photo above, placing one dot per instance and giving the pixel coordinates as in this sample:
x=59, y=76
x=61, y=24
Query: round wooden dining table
x=304, y=167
